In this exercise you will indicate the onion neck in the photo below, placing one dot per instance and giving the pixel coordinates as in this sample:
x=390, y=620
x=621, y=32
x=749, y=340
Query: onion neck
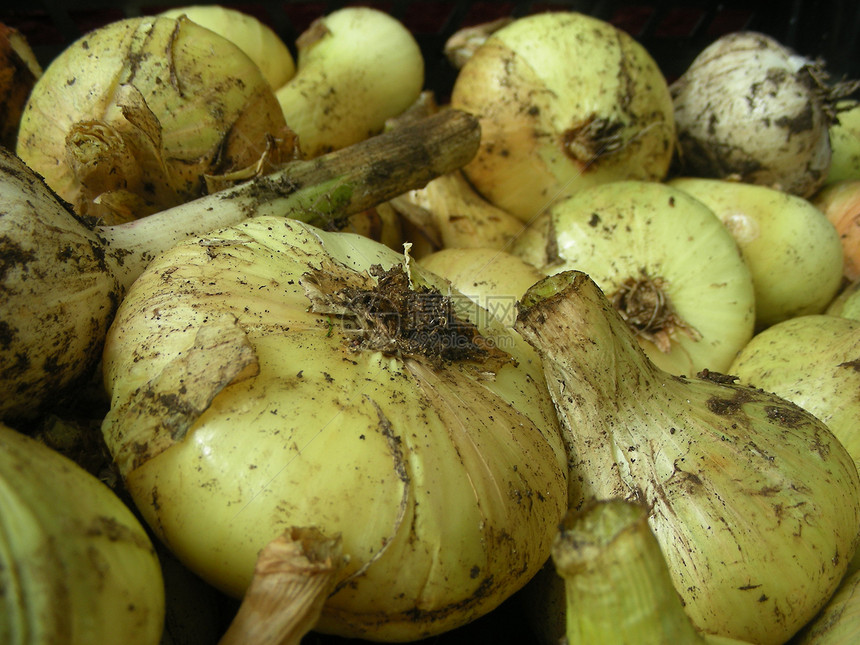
x=617, y=584
x=569, y=320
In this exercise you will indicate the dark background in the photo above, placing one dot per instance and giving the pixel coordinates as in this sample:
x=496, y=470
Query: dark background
x=673, y=32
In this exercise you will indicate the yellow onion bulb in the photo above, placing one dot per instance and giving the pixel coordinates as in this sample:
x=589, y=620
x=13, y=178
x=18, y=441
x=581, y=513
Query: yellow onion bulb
x=256, y=385
x=254, y=37
x=76, y=565
x=565, y=101
x=665, y=262
x=136, y=116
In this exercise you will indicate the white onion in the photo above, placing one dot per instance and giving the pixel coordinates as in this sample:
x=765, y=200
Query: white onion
x=749, y=107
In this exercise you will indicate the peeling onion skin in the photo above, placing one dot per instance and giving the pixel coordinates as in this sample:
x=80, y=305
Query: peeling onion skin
x=254, y=37
x=445, y=484
x=131, y=118
x=565, y=101
x=749, y=108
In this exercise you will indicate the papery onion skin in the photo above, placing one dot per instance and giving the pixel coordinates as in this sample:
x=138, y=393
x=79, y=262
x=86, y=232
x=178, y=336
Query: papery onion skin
x=750, y=108
x=255, y=38
x=446, y=483
x=131, y=118
x=565, y=101
x=76, y=566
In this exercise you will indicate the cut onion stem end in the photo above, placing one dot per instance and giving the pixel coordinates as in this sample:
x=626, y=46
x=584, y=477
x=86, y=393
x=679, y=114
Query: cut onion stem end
x=294, y=575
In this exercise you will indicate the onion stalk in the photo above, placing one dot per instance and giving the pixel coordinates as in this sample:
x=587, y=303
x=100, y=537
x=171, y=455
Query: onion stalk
x=754, y=501
x=64, y=279
x=617, y=585
x=293, y=576
x=272, y=374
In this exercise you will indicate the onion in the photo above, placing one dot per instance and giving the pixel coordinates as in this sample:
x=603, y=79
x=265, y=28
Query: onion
x=840, y=202
x=133, y=118
x=754, y=501
x=565, y=101
x=811, y=361
x=76, y=566
x=749, y=107
x=19, y=71
x=255, y=38
x=494, y=279
x=845, y=143
x=357, y=67
x=449, y=212
x=664, y=260
x=63, y=279
x=792, y=250
x=847, y=303
x=273, y=375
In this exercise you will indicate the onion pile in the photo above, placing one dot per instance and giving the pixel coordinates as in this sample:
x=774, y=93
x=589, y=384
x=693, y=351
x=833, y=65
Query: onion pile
x=627, y=398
